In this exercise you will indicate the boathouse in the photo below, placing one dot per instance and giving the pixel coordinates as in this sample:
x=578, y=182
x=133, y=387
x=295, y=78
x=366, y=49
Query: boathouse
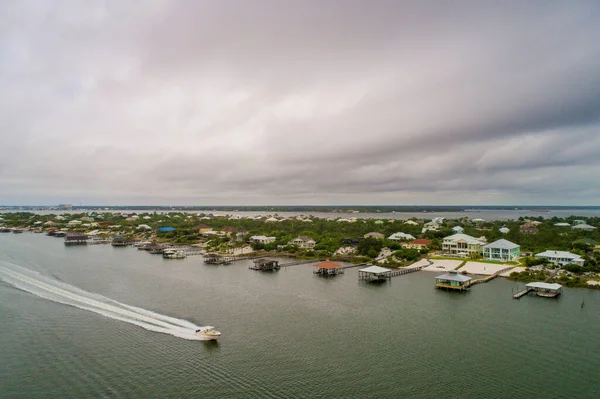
x=546, y=290
x=328, y=268
x=453, y=281
x=374, y=274
x=76, y=239
x=265, y=265
x=119, y=241
x=216, y=259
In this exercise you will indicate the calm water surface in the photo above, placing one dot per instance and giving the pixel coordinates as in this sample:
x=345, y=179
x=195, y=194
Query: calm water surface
x=288, y=334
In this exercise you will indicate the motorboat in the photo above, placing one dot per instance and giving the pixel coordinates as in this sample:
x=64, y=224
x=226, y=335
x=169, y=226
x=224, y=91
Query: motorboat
x=208, y=333
x=173, y=254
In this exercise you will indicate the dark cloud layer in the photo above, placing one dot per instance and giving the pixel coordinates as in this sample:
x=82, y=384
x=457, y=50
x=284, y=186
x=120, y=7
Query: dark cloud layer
x=279, y=102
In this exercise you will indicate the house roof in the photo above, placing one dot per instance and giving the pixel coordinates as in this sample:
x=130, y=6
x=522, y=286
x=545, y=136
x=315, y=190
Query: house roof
x=421, y=241
x=546, y=286
x=562, y=224
x=303, y=238
x=502, y=243
x=327, y=265
x=453, y=276
x=401, y=235
x=558, y=254
x=464, y=237
x=374, y=269
x=584, y=226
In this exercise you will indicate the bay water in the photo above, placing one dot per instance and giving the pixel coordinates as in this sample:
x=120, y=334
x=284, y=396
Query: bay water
x=104, y=322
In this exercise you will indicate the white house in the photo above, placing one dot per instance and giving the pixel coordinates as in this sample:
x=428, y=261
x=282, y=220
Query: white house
x=502, y=250
x=262, y=239
x=462, y=245
x=503, y=230
x=561, y=257
x=458, y=229
x=303, y=242
x=401, y=237
x=584, y=227
x=411, y=222
x=562, y=224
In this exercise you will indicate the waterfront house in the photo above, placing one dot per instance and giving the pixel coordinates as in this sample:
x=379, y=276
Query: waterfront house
x=462, y=245
x=561, y=258
x=262, y=239
x=452, y=281
x=418, y=244
x=458, y=229
x=401, y=237
x=375, y=235
x=584, y=227
x=501, y=250
x=303, y=242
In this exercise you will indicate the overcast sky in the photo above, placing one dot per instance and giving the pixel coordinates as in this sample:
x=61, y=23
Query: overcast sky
x=216, y=102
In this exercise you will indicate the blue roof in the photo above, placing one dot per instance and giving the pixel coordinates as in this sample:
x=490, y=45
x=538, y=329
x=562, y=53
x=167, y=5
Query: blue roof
x=168, y=228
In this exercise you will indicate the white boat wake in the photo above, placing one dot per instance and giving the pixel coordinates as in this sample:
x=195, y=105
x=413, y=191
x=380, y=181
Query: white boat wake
x=57, y=291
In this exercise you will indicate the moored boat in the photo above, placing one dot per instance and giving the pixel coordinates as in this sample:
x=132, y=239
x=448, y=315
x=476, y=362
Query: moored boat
x=173, y=254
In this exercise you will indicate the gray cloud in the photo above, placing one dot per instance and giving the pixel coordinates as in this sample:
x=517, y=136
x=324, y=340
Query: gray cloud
x=280, y=102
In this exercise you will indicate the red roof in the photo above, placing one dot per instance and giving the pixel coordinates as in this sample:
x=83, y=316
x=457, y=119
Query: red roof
x=421, y=241
x=327, y=265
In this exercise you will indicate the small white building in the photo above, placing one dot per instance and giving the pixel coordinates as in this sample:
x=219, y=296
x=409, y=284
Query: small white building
x=458, y=229
x=584, y=227
x=562, y=224
x=303, y=242
x=504, y=230
x=262, y=239
x=411, y=222
x=401, y=237
x=561, y=257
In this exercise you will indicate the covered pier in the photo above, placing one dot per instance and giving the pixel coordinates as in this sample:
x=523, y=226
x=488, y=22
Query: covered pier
x=453, y=281
x=76, y=239
x=546, y=290
x=374, y=274
x=216, y=259
x=328, y=268
x=265, y=265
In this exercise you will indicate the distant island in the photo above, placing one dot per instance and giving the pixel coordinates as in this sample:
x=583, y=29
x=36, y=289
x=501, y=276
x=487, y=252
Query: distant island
x=300, y=208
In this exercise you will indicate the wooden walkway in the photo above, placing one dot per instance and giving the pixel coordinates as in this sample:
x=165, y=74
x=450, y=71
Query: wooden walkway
x=488, y=278
x=400, y=272
x=299, y=262
x=522, y=293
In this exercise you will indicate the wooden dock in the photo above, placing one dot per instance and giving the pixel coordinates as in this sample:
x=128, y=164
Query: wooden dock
x=488, y=278
x=522, y=293
x=265, y=265
x=400, y=272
